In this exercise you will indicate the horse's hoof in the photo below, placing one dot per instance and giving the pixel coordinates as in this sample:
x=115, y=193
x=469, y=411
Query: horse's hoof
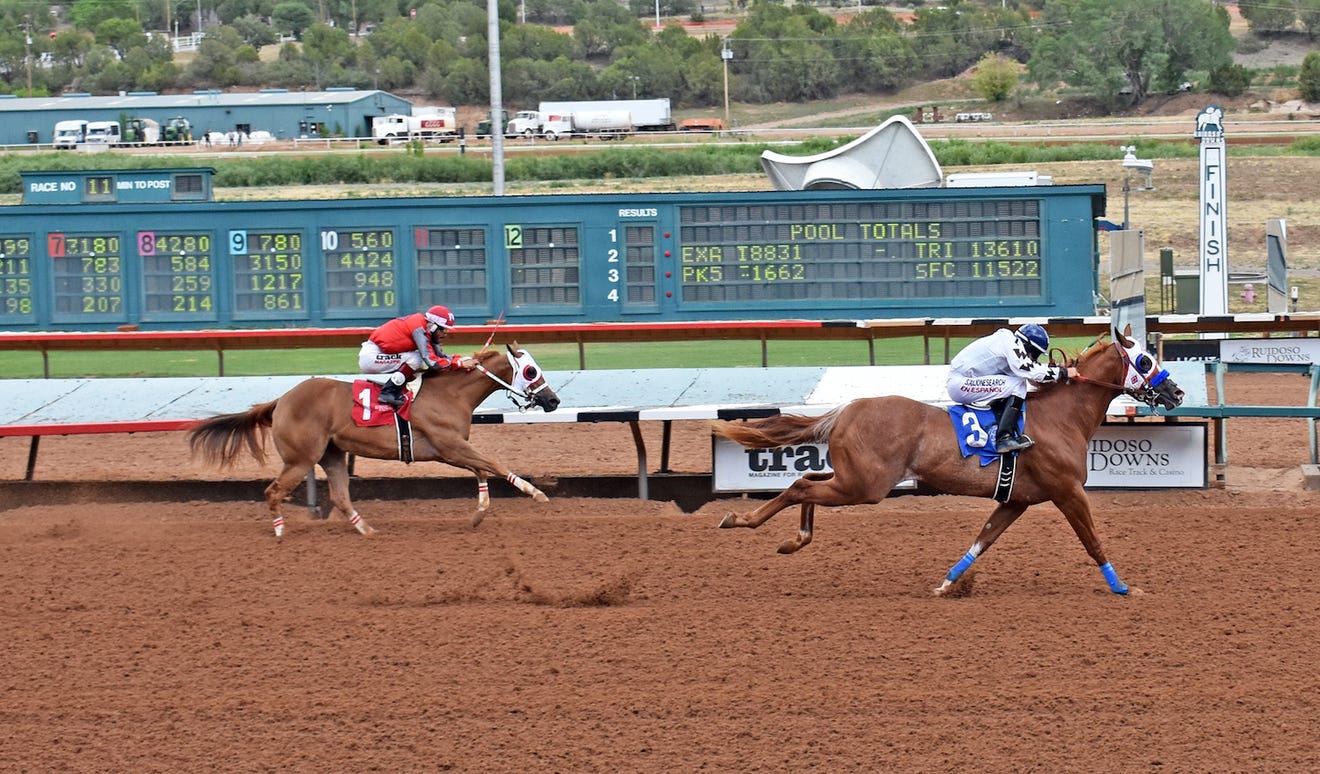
x=729, y=520
x=540, y=497
x=478, y=517
x=789, y=546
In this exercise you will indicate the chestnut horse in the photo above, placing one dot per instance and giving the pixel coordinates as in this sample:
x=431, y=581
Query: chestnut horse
x=876, y=442
x=313, y=424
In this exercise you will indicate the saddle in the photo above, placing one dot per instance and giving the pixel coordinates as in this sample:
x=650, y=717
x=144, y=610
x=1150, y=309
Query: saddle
x=974, y=427
x=368, y=411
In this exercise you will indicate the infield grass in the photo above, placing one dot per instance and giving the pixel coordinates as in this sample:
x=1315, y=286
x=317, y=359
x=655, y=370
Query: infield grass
x=552, y=357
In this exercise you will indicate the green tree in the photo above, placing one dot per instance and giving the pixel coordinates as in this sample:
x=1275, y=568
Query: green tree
x=783, y=54
x=255, y=31
x=1309, y=77
x=1229, y=80
x=120, y=35
x=292, y=17
x=1268, y=18
x=996, y=77
x=950, y=38
x=873, y=54
x=86, y=14
x=1120, y=48
x=1308, y=13
x=214, y=65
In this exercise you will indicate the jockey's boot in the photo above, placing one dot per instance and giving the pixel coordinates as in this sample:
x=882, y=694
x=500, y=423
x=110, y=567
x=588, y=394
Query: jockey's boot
x=1007, y=439
x=391, y=393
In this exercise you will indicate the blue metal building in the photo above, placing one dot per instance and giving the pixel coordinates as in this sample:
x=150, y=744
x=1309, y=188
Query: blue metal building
x=285, y=114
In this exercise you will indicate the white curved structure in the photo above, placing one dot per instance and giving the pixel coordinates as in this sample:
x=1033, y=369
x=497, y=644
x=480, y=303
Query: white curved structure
x=893, y=155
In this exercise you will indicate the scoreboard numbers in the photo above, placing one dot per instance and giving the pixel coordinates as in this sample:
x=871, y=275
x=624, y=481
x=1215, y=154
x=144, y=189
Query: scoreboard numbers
x=361, y=269
x=88, y=272
x=178, y=275
x=16, y=304
x=544, y=266
x=269, y=278
x=865, y=250
x=66, y=264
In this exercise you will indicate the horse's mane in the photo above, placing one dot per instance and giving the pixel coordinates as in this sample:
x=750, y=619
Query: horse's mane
x=1099, y=346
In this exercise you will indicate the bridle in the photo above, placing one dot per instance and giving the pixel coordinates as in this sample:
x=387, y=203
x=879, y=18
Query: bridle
x=1135, y=381
x=528, y=374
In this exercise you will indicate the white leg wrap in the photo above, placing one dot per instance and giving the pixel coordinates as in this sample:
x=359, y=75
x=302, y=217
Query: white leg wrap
x=279, y=526
x=483, y=495
x=527, y=489
x=358, y=523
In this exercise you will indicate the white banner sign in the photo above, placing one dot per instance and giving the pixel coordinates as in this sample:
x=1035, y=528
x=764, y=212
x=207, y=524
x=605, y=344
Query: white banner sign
x=1271, y=351
x=1120, y=456
x=1147, y=456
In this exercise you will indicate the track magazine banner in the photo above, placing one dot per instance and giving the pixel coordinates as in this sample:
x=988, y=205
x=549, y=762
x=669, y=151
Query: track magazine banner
x=1120, y=456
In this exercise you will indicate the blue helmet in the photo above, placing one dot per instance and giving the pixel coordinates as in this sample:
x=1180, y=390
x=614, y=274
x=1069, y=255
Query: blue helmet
x=1036, y=339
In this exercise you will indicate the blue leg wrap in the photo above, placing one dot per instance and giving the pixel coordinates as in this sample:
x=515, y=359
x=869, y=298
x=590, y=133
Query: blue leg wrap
x=1115, y=585
x=962, y=565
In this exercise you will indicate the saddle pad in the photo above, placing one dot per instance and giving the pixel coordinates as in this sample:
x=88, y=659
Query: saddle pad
x=368, y=411
x=975, y=430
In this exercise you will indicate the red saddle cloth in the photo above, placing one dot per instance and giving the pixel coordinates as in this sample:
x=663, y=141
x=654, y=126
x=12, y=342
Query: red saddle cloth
x=368, y=411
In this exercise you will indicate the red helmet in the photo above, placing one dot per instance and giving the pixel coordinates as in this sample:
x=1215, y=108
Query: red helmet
x=439, y=317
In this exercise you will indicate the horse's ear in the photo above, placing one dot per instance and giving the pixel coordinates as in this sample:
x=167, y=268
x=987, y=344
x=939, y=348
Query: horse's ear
x=1124, y=337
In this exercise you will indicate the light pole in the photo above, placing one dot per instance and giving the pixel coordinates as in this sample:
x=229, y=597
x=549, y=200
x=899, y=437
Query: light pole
x=726, y=54
x=634, y=79
x=1147, y=169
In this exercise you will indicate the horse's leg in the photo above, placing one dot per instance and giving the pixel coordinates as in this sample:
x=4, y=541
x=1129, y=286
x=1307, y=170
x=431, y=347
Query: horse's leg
x=999, y=521
x=805, y=527
x=461, y=454
x=483, y=499
x=1076, y=507
x=334, y=463
x=792, y=495
x=282, y=487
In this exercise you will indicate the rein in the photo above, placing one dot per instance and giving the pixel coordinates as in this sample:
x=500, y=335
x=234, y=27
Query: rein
x=1146, y=394
x=513, y=392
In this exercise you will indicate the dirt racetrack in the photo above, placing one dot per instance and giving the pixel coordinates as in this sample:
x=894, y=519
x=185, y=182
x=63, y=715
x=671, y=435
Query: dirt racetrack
x=612, y=635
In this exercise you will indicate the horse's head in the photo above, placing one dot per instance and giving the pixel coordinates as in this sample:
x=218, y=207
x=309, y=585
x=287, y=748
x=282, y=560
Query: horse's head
x=1142, y=376
x=526, y=381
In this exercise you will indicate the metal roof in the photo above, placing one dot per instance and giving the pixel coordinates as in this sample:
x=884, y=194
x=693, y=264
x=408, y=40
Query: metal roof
x=207, y=98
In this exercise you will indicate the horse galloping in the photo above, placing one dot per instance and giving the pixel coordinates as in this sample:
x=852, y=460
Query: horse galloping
x=313, y=424
x=877, y=442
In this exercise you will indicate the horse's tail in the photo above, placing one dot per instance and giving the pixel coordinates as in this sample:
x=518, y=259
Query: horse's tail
x=219, y=440
x=779, y=430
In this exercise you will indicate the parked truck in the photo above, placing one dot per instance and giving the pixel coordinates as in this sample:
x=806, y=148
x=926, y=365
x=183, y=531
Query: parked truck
x=648, y=115
x=483, y=126
x=69, y=134
x=427, y=123
x=606, y=118
x=605, y=124
x=106, y=133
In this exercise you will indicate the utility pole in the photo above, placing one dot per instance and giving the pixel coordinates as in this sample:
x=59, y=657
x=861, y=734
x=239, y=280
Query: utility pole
x=726, y=54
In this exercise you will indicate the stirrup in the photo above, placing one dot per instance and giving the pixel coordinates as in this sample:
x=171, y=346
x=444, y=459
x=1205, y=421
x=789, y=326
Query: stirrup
x=1009, y=445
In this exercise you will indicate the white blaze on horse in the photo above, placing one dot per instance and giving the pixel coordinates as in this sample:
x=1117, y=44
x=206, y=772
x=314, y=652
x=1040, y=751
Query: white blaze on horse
x=877, y=442
x=313, y=423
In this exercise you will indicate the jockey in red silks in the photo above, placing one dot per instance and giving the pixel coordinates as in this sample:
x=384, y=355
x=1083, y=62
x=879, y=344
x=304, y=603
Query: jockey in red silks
x=406, y=346
x=996, y=369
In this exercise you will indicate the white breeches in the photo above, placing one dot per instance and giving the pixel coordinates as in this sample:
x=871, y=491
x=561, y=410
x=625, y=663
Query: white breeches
x=372, y=361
